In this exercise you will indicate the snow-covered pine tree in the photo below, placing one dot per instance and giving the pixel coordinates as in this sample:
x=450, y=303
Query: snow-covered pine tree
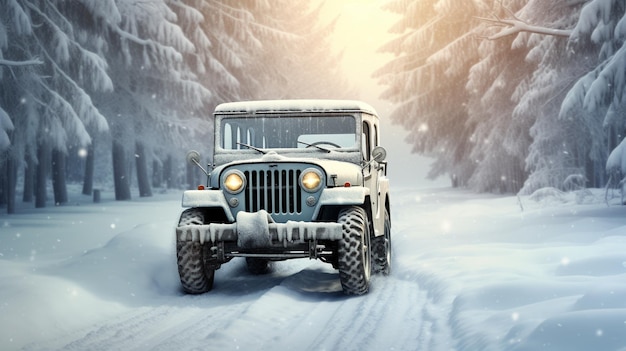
x=47, y=99
x=616, y=169
x=511, y=112
x=225, y=47
x=155, y=93
x=434, y=52
x=524, y=68
x=497, y=139
x=597, y=101
x=301, y=61
x=221, y=35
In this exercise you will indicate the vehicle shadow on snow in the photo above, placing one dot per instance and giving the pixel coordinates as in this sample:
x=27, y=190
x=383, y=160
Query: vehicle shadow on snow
x=315, y=282
x=312, y=280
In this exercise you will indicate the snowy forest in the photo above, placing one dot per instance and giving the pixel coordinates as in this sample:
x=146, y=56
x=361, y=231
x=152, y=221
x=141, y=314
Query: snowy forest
x=113, y=90
x=506, y=96
x=512, y=96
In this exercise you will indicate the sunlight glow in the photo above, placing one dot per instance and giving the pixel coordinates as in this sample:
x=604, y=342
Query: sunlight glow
x=446, y=226
x=362, y=28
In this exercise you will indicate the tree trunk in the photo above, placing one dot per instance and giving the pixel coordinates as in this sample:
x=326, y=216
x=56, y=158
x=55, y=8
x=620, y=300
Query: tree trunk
x=120, y=172
x=29, y=180
x=41, y=176
x=143, y=181
x=58, y=177
x=168, y=172
x=157, y=174
x=3, y=183
x=10, y=183
x=89, y=168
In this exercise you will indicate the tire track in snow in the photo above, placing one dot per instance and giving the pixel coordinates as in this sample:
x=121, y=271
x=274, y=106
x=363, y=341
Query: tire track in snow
x=387, y=318
x=299, y=306
x=150, y=328
x=294, y=315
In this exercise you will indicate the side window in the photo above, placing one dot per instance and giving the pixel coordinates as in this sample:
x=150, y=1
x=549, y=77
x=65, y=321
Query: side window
x=376, y=135
x=230, y=136
x=366, y=141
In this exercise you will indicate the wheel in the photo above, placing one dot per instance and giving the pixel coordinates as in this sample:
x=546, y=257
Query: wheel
x=196, y=276
x=353, y=251
x=257, y=265
x=381, y=249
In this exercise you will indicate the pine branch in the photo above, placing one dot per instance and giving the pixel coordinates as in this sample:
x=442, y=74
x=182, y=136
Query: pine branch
x=35, y=61
x=515, y=25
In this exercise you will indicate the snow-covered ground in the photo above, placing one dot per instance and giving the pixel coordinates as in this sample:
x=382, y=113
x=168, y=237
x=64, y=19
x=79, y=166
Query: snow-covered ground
x=471, y=272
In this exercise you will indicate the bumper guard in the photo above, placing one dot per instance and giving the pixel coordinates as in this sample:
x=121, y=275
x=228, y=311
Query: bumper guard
x=257, y=230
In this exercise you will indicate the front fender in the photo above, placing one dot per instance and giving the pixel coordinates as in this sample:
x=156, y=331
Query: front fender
x=207, y=198
x=342, y=196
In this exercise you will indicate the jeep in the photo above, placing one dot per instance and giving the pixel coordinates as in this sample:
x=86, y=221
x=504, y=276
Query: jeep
x=289, y=179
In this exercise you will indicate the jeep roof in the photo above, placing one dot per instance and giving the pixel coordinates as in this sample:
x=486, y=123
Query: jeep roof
x=290, y=106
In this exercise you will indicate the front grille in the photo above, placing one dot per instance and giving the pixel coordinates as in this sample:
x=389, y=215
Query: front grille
x=275, y=191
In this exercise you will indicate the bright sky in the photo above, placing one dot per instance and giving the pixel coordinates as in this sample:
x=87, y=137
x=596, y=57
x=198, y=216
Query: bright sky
x=361, y=30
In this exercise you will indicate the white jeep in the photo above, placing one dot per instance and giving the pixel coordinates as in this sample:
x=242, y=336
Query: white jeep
x=289, y=179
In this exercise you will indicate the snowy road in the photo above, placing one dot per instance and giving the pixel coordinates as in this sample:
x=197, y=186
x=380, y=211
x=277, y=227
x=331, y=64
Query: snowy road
x=298, y=308
x=470, y=273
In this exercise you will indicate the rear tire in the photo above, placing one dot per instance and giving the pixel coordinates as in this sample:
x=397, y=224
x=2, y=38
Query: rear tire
x=353, y=251
x=196, y=276
x=381, y=249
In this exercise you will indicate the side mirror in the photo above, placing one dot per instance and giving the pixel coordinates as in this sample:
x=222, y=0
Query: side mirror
x=379, y=154
x=193, y=157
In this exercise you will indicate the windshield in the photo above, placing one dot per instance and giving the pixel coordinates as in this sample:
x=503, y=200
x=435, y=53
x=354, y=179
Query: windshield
x=286, y=132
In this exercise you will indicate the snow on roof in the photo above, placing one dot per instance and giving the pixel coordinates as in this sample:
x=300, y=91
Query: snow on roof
x=274, y=106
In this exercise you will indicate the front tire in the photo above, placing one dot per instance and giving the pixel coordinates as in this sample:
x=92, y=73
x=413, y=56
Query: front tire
x=353, y=251
x=196, y=276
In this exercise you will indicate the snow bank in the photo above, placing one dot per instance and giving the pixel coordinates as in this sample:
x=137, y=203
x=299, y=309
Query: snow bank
x=617, y=159
x=469, y=272
x=551, y=276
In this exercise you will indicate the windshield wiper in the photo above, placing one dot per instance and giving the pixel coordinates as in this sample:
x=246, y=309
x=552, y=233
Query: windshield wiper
x=253, y=148
x=315, y=146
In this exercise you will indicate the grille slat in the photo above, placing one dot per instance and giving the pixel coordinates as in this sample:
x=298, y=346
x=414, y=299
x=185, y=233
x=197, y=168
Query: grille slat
x=275, y=191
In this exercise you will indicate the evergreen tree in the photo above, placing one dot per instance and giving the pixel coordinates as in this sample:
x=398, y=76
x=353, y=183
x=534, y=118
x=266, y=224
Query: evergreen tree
x=434, y=52
x=44, y=75
x=143, y=77
x=155, y=94
x=524, y=68
x=534, y=108
x=597, y=101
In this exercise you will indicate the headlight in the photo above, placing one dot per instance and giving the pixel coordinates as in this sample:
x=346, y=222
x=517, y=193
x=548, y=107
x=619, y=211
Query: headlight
x=234, y=182
x=311, y=180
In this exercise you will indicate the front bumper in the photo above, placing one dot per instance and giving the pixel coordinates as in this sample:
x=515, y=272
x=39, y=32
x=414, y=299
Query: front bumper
x=257, y=230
